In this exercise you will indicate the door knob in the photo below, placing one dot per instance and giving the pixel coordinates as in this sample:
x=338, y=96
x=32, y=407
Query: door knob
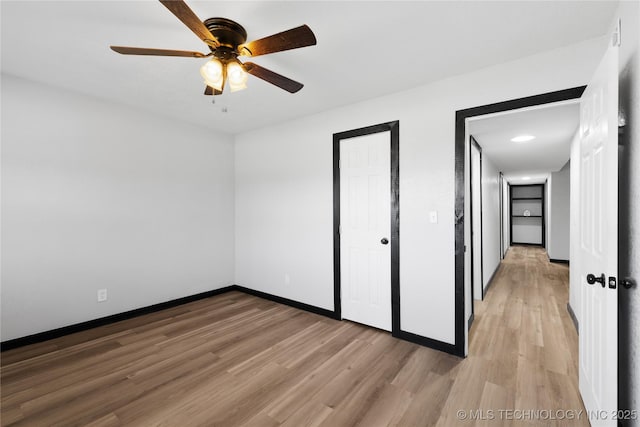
x=591, y=279
x=628, y=283
x=384, y=241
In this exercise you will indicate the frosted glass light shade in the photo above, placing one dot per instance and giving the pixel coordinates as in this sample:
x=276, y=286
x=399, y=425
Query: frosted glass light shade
x=213, y=74
x=237, y=76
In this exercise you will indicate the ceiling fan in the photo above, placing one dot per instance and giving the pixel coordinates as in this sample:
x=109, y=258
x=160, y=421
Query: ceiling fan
x=226, y=40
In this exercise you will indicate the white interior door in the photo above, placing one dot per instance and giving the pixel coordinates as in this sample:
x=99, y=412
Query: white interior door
x=599, y=241
x=365, y=229
x=476, y=226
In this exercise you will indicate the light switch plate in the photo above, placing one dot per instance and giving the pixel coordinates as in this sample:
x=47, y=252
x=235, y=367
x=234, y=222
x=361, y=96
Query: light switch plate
x=433, y=217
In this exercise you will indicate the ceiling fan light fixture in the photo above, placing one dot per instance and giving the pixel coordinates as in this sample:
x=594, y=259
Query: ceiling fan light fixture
x=213, y=74
x=237, y=76
x=227, y=40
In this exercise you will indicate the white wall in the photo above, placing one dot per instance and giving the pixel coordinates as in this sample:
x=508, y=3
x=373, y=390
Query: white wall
x=490, y=219
x=558, y=221
x=284, y=186
x=98, y=195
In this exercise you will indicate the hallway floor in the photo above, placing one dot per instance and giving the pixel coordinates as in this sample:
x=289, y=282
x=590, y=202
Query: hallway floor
x=523, y=343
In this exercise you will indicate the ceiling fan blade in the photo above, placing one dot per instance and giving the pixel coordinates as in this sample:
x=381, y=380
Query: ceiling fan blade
x=157, y=52
x=212, y=91
x=184, y=13
x=281, y=81
x=291, y=39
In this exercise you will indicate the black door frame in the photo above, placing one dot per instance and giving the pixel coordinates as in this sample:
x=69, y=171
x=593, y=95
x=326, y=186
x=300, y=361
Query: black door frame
x=394, y=128
x=459, y=169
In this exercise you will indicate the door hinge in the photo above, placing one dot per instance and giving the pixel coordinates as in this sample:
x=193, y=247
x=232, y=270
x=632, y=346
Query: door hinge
x=340, y=229
x=612, y=282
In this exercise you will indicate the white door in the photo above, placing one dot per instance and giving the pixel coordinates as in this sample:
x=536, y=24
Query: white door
x=476, y=227
x=365, y=229
x=599, y=242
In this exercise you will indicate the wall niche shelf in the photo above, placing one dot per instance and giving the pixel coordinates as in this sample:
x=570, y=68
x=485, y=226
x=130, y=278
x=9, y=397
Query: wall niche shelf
x=527, y=220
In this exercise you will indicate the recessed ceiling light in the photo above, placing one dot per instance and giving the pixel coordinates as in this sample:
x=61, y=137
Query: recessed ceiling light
x=523, y=138
x=526, y=178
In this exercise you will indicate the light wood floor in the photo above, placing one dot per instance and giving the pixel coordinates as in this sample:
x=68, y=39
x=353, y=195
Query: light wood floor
x=237, y=360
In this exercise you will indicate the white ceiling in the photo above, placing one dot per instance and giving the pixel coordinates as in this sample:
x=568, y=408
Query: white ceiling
x=365, y=49
x=553, y=126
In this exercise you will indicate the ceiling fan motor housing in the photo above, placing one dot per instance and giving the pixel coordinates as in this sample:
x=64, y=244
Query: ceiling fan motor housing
x=229, y=33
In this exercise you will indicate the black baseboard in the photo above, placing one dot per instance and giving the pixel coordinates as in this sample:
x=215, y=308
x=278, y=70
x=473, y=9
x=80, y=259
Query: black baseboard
x=572, y=314
x=429, y=342
x=559, y=261
x=289, y=302
x=506, y=251
x=471, y=319
x=490, y=282
x=527, y=244
x=79, y=327
x=90, y=324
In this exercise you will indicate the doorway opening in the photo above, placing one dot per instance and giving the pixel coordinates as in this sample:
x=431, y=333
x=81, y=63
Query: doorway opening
x=463, y=299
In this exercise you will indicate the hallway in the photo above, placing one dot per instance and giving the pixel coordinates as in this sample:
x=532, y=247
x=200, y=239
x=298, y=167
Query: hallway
x=523, y=341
